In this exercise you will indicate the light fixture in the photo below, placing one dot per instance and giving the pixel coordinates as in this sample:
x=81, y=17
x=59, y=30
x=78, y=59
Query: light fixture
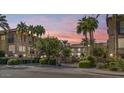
x=88, y=45
x=111, y=54
x=39, y=36
x=24, y=55
x=15, y=55
x=29, y=32
x=6, y=55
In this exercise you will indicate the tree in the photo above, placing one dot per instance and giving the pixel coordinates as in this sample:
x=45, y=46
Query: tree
x=22, y=29
x=5, y=26
x=3, y=22
x=51, y=46
x=99, y=51
x=39, y=30
x=87, y=25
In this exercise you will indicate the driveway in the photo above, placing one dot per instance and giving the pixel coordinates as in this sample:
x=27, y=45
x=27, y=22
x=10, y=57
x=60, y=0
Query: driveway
x=38, y=71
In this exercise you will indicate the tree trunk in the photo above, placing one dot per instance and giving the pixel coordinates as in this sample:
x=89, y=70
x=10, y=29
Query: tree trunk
x=91, y=52
x=86, y=44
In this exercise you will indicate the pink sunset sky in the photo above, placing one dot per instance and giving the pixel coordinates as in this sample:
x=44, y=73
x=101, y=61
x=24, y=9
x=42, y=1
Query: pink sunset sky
x=62, y=26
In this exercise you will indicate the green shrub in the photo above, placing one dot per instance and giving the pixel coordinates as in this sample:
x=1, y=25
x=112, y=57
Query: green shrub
x=85, y=64
x=92, y=60
x=2, y=53
x=116, y=64
x=102, y=65
x=43, y=61
x=52, y=62
x=13, y=62
x=113, y=66
x=3, y=60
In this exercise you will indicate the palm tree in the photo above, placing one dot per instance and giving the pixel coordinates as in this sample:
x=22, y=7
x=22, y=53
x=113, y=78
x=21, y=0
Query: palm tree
x=22, y=30
x=39, y=30
x=5, y=26
x=87, y=25
x=114, y=16
x=3, y=23
x=82, y=29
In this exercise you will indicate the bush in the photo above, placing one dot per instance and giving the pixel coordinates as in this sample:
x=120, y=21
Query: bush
x=43, y=61
x=3, y=60
x=85, y=64
x=52, y=62
x=13, y=62
x=116, y=64
x=92, y=60
x=99, y=51
x=113, y=66
x=2, y=53
x=102, y=65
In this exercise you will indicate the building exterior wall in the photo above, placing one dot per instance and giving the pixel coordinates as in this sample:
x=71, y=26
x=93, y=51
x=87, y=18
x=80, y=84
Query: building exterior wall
x=116, y=39
x=16, y=44
x=77, y=50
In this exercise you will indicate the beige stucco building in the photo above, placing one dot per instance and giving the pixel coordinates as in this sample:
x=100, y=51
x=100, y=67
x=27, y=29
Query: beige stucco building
x=116, y=35
x=15, y=44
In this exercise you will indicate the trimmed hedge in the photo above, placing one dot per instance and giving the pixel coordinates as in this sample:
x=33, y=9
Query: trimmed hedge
x=3, y=60
x=85, y=64
x=45, y=61
x=52, y=62
x=13, y=62
x=28, y=61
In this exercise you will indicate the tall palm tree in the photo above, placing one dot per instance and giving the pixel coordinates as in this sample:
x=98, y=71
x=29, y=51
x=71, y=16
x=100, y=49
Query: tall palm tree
x=39, y=30
x=3, y=22
x=22, y=29
x=82, y=29
x=5, y=26
x=87, y=25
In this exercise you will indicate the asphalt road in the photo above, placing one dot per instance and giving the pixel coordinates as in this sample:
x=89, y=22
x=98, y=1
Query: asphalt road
x=45, y=72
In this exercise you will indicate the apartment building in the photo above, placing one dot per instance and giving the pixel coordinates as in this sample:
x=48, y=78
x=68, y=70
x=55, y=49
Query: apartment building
x=116, y=35
x=15, y=44
x=77, y=50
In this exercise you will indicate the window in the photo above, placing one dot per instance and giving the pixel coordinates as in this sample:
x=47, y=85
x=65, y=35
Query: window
x=121, y=43
x=22, y=48
x=122, y=27
x=11, y=38
x=12, y=48
x=3, y=37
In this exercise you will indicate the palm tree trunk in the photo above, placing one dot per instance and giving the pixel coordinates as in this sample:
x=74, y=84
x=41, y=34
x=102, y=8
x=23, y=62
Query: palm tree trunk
x=86, y=44
x=92, y=37
x=91, y=44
